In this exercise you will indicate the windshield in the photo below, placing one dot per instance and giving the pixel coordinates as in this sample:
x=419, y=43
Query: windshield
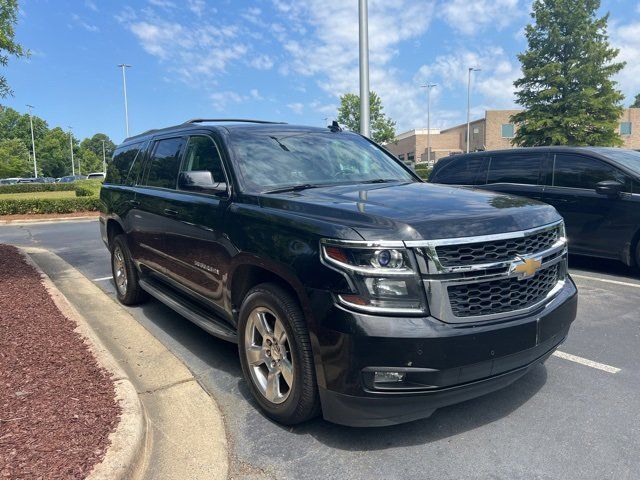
x=626, y=158
x=269, y=160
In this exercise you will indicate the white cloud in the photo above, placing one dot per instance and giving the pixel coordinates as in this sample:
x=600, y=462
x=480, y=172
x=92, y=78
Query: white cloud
x=162, y=3
x=320, y=37
x=220, y=100
x=87, y=26
x=199, y=7
x=296, y=107
x=91, y=5
x=471, y=18
x=492, y=86
x=261, y=62
x=627, y=38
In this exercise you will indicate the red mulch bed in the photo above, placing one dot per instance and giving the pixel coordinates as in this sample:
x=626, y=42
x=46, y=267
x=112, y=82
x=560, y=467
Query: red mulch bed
x=57, y=406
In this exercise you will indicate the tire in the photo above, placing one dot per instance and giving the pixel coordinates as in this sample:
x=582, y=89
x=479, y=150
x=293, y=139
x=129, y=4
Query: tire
x=125, y=274
x=280, y=374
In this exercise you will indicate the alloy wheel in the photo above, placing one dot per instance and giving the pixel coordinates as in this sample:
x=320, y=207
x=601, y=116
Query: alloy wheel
x=120, y=271
x=268, y=353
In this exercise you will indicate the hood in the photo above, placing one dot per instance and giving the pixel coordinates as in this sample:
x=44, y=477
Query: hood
x=415, y=211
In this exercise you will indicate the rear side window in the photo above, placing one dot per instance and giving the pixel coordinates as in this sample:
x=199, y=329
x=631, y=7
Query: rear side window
x=523, y=169
x=164, y=164
x=461, y=171
x=577, y=171
x=203, y=154
x=120, y=165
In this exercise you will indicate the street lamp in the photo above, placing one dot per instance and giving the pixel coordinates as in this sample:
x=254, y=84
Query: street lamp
x=428, y=86
x=124, y=66
x=73, y=168
x=471, y=69
x=33, y=143
x=363, y=24
x=104, y=160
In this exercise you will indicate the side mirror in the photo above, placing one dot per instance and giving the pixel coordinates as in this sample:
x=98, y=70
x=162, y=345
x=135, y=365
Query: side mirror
x=610, y=188
x=200, y=180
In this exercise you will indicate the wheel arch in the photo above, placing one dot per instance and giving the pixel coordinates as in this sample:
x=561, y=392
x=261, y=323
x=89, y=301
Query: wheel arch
x=114, y=228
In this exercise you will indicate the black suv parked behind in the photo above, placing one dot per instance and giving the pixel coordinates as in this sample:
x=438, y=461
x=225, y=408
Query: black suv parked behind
x=351, y=287
x=595, y=189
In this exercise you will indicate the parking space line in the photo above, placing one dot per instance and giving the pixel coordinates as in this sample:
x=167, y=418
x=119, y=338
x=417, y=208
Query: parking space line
x=605, y=280
x=584, y=361
x=102, y=279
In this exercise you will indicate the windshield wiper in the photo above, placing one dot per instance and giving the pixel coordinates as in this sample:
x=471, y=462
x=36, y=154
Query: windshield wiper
x=293, y=188
x=381, y=180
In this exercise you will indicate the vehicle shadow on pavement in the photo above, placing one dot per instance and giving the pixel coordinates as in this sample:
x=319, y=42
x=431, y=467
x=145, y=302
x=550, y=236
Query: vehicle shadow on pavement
x=217, y=362
x=603, y=266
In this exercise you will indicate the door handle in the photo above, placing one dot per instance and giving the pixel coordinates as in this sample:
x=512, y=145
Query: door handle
x=134, y=203
x=168, y=211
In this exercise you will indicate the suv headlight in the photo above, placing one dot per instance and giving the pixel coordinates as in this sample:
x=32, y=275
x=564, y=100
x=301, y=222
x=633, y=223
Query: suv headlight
x=383, y=276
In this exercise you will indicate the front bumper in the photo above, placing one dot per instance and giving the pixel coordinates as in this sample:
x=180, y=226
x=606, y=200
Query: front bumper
x=447, y=363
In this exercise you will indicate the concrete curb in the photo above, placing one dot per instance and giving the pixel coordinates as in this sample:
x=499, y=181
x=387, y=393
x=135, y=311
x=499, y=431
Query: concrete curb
x=126, y=450
x=185, y=432
x=24, y=221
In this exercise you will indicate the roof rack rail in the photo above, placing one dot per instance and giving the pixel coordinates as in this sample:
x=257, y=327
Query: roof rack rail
x=243, y=120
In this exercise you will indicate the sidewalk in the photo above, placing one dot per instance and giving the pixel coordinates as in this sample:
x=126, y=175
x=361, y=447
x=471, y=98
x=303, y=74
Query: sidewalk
x=185, y=437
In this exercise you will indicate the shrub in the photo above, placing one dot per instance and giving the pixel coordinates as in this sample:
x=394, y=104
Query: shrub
x=37, y=187
x=49, y=205
x=87, y=188
x=423, y=171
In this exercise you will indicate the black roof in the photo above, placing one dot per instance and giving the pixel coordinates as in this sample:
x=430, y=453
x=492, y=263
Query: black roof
x=228, y=125
x=558, y=148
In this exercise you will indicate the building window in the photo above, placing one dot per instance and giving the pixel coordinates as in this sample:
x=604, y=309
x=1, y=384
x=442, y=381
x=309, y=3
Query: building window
x=625, y=128
x=508, y=130
x=410, y=157
x=476, y=130
x=401, y=157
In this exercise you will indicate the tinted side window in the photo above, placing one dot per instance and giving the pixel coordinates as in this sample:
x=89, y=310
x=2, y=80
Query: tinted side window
x=164, y=164
x=120, y=165
x=514, y=169
x=461, y=171
x=203, y=154
x=576, y=171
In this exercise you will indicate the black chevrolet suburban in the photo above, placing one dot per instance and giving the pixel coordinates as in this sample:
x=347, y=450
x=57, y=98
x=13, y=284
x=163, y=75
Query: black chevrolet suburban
x=352, y=288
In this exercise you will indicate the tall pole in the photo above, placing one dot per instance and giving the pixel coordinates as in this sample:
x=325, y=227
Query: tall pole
x=33, y=143
x=471, y=69
x=363, y=21
x=429, y=86
x=104, y=160
x=73, y=168
x=124, y=66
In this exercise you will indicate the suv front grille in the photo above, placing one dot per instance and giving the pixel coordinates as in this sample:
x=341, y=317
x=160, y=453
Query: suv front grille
x=498, y=250
x=481, y=278
x=503, y=295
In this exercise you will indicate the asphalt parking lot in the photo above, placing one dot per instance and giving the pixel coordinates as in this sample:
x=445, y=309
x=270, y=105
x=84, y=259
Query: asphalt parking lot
x=575, y=417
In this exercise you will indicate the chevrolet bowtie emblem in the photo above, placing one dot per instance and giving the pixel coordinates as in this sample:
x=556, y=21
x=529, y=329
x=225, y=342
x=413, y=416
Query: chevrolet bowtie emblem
x=525, y=267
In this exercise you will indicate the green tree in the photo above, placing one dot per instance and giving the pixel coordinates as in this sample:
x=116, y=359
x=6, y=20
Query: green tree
x=13, y=124
x=566, y=87
x=14, y=159
x=636, y=102
x=54, y=155
x=88, y=161
x=383, y=129
x=8, y=47
x=94, y=144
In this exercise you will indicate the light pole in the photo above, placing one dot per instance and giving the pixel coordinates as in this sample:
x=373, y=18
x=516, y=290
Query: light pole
x=471, y=69
x=124, y=66
x=363, y=22
x=428, y=86
x=33, y=143
x=104, y=160
x=73, y=168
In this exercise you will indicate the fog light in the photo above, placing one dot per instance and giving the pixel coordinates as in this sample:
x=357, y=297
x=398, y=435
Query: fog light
x=388, y=377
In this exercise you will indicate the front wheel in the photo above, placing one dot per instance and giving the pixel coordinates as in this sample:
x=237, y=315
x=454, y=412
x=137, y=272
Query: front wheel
x=275, y=354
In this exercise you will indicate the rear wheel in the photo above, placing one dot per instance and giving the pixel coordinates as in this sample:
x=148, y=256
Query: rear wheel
x=125, y=275
x=275, y=353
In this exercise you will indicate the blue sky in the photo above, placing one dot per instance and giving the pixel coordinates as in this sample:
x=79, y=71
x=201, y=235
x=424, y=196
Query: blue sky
x=274, y=59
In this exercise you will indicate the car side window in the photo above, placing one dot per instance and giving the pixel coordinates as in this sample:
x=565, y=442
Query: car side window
x=203, y=154
x=120, y=165
x=515, y=168
x=461, y=171
x=164, y=164
x=578, y=171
